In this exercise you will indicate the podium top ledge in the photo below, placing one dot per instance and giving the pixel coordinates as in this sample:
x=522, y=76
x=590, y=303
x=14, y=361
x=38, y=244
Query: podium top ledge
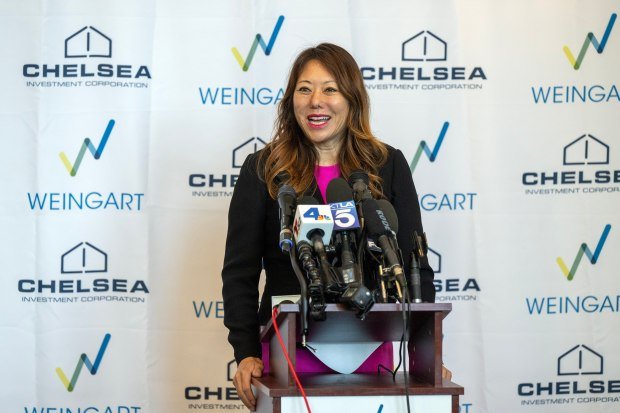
x=383, y=322
x=379, y=307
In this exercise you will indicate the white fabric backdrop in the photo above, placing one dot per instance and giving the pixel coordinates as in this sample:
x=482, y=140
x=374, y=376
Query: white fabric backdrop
x=142, y=222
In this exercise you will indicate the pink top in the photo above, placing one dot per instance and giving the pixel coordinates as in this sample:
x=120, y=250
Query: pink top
x=324, y=175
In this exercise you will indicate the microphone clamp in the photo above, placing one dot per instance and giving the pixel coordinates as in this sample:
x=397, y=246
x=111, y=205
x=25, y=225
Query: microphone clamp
x=286, y=240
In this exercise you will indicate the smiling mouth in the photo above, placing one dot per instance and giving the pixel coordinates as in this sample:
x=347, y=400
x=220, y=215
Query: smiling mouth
x=318, y=120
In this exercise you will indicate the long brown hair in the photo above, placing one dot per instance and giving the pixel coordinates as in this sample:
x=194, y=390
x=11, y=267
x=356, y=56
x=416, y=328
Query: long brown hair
x=291, y=152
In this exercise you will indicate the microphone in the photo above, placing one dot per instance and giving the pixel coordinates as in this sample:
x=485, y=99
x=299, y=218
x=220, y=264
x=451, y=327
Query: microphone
x=311, y=220
x=359, y=182
x=420, y=246
x=287, y=201
x=318, y=233
x=312, y=224
x=340, y=201
x=390, y=214
x=339, y=197
x=379, y=228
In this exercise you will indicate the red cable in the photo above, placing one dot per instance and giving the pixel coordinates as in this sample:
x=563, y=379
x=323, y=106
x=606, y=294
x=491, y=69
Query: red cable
x=288, y=360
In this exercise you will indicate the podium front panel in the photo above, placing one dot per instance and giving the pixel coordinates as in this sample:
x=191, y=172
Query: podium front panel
x=369, y=404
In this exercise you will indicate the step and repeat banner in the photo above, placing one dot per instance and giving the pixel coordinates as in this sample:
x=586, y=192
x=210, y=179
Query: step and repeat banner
x=123, y=129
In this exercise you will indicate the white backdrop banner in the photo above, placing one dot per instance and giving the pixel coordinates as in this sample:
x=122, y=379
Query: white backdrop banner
x=124, y=126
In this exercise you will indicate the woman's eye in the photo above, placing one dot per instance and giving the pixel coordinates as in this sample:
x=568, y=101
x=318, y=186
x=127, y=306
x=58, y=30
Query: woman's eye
x=304, y=89
x=331, y=90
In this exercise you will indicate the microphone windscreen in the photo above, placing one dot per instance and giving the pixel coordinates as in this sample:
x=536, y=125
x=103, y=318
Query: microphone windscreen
x=286, y=190
x=390, y=213
x=358, y=174
x=376, y=222
x=338, y=190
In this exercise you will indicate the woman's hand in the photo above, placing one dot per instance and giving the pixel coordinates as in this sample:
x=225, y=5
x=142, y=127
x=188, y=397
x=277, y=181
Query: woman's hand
x=248, y=367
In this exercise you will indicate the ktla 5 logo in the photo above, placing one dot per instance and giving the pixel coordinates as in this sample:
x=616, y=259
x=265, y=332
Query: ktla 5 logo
x=345, y=215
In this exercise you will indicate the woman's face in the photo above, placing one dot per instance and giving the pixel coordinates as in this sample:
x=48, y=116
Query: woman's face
x=320, y=108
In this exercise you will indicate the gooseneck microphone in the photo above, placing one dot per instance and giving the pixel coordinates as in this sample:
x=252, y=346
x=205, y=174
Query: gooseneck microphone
x=287, y=200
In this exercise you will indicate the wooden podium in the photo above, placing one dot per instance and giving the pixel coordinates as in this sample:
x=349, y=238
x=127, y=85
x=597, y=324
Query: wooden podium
x=277, y=391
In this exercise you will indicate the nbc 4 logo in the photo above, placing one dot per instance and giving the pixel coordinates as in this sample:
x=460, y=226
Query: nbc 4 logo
x=584, y=249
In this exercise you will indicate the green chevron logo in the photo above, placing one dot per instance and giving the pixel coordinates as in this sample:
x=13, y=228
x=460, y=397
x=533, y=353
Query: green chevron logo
x=84, y=361
x=590, y=40
x=584, y=250
x=430, y=153
x=87, y=145
x=258, y=41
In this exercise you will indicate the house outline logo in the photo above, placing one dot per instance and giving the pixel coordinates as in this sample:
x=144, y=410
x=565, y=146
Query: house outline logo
x=247, y=148
x=436, y=258
x=580, y=360
x=424, y=46
x=88, y=42
x=85, y=260
x=586, y=150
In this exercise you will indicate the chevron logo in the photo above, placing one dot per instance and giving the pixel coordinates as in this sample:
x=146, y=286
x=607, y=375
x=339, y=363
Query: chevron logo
x=590, y=39
x=584, y=249
x=424, y=147
x=87, y=144
x=84, y=361
x=258, y=41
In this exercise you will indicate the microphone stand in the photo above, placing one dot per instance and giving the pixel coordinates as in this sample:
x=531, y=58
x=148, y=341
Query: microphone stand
x=304, y=296
x=419, y=250
x=317, y=299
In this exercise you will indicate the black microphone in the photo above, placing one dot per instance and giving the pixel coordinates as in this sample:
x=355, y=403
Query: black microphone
x=390, y=214
x=379, y=228
x=338, y=193
x=305, y=240
x=287, y=199
x=420, y=247
x=359, y=182
x=344, y=212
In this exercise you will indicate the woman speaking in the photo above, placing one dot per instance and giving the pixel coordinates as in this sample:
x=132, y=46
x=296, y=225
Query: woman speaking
x=322, y=131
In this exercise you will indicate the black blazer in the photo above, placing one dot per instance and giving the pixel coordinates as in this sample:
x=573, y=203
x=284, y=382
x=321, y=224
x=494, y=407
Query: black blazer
x=252, y=244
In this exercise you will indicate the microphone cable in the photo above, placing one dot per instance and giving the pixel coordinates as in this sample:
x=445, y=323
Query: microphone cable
x=274, y=314
x=303, y=291
x=405, y=340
